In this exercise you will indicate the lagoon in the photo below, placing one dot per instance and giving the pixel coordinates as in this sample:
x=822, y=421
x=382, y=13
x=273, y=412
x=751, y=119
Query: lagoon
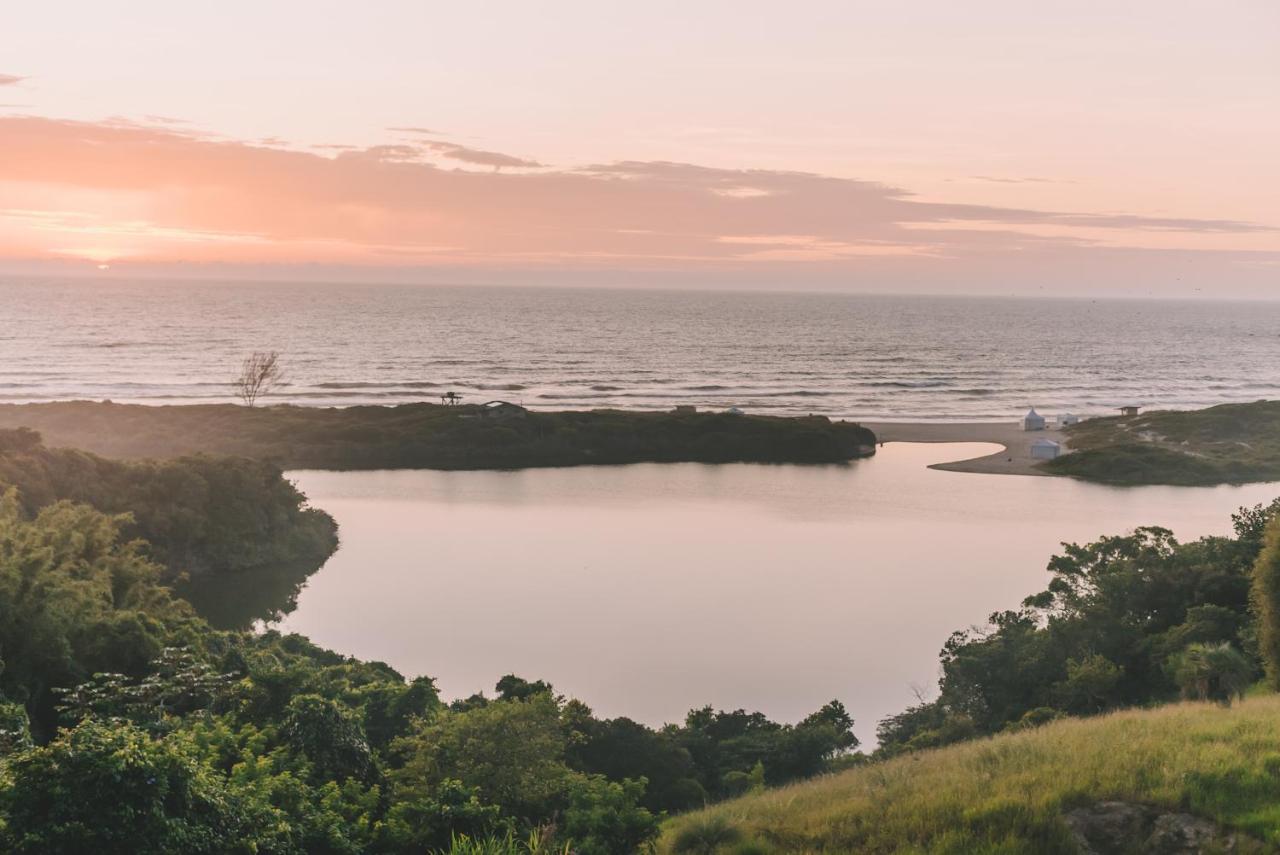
x=649, y=589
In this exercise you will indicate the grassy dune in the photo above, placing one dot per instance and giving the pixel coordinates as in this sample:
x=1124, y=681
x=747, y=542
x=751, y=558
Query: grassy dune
x=1008, y=794
x=1227, y=444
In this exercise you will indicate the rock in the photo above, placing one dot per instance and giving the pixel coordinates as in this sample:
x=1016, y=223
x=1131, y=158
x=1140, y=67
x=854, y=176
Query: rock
x=1120, y=828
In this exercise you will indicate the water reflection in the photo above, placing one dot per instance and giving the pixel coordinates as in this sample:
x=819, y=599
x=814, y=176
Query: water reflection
x=242, y=599
x=646, y=590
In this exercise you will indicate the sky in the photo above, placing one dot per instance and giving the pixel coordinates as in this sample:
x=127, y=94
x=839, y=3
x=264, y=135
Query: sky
x=1093, y=148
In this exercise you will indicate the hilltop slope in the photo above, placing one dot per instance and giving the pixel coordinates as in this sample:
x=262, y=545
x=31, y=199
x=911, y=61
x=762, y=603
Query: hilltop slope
x=1176, y=770
x=1226, y=444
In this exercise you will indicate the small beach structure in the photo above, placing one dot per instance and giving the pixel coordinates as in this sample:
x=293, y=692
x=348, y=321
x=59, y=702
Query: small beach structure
x=1033, y=420
x=1068, y=419
x=1045, y=449
x=502, y=410
x=1129, y=411
x=450, y=399
x=734, y=411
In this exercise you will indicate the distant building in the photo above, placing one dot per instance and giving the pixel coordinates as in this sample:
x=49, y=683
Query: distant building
x=502, y=410
x=1067, y=419
x=1033, y=420
x=1045, y=449
x=685, y=409
x=1129, y=411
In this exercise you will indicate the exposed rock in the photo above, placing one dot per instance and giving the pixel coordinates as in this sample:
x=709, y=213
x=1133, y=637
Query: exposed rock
x=1121, y=828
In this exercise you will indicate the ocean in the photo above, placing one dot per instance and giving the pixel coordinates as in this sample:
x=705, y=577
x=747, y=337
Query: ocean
x=845, y=356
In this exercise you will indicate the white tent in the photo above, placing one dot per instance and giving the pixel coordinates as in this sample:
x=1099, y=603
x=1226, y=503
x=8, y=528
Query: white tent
x=1068, y=419
x=1033, y=421
x=1045, y=449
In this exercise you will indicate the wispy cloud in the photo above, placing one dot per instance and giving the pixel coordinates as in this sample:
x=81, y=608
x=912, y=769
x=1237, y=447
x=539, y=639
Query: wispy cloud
x=415, y=130
x=477, y=156
x=996, y=179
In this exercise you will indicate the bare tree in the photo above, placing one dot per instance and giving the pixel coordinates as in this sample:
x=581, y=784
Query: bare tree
x=260, y=373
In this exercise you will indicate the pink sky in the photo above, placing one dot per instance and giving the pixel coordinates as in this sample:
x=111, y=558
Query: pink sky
x=989, y=147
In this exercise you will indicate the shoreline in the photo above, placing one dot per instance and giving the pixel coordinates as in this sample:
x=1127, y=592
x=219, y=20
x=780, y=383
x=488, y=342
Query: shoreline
x=1014, y=457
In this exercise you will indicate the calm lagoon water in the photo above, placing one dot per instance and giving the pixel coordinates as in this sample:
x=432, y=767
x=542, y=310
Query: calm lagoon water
x=646, y=590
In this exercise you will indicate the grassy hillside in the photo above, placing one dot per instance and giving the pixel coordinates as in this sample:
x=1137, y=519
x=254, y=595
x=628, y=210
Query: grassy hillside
x=1011, y=793
x=1227, y=444
x=430, y=436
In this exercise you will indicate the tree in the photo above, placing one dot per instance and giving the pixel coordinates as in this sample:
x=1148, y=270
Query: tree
x=260, y=373
x=511, y=752
x=1266, y=600
x=1212, y=672
x=110, y=788
x=330, y=736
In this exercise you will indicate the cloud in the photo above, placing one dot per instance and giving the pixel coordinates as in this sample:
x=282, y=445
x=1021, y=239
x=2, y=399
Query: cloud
x=166, y=193
x=478, y=157
x=10, y=79
x=413, y=130
x=994, y=179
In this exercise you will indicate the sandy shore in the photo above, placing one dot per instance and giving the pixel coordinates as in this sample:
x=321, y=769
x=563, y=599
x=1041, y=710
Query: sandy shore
x=1015, y=459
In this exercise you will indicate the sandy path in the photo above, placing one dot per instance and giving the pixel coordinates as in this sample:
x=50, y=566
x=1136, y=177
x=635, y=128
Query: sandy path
x=1015, y=459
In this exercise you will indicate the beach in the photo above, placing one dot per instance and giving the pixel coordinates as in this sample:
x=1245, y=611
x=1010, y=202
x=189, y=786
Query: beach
x=1014, y=459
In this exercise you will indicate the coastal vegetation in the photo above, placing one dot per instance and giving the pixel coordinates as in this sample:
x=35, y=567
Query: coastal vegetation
x=1115, y=627
x=1226, y=444
x=436, y=436
x=198, y=514
x=128, y=724
x=1188, y=777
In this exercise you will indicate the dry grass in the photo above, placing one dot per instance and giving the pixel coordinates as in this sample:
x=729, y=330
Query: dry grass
x=1007, y=794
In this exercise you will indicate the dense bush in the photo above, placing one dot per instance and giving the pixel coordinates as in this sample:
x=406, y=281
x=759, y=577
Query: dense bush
x=430, y=436
x=1128, y=620
x=198, y=513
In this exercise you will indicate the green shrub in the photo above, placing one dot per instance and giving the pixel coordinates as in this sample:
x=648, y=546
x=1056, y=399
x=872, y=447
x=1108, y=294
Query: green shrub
x=1266, y=601
x=1212, y=672
x=705, y=836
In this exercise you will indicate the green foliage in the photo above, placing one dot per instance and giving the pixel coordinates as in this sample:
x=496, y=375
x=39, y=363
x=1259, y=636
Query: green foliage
x=178, y=683
x=1100, y=636
x=536, y=843
x=620, y=748
x=604, y=817
x=15, y=728
x=430, y=436
x=1090, y=685
x=1212, y=672
x=1229, y=443
x=722, y=742
x=110, y=788
x=438, y=818
x=329, y=736
x=197, y=513
x=705, y=836
x=1008, y=794
x=513, y=688
x=1266, y=600
x=75, y=600
x=511, y=752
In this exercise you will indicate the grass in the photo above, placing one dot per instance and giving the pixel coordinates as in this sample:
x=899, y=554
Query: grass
x=431, y=436
x=1007, y=794
x=1227, y=444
